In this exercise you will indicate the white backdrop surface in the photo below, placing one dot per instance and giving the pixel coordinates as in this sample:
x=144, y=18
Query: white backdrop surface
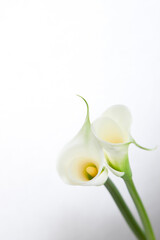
x=51, y=50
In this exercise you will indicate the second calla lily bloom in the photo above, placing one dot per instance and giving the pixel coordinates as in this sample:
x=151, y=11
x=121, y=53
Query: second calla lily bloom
x=82, y=161
x=112, y=129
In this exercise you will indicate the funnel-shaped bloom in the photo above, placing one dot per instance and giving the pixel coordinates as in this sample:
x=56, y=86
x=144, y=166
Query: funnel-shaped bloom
x=82, y=161
x=112, y=129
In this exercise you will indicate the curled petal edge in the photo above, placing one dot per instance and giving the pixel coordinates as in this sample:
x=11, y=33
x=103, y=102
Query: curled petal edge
x=99, y=180
x=115, y=172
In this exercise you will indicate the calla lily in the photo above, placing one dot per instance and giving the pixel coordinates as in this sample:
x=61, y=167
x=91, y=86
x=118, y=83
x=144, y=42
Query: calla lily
x=112, y=129
x=82, y=161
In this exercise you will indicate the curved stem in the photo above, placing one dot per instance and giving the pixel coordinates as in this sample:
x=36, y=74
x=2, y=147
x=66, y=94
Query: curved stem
x=125, y=211
x=141, y=210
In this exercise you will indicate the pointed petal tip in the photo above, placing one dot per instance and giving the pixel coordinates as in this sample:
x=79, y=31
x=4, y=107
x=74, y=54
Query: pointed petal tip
x=144, y=148
x=87, y=116
x=82, y=98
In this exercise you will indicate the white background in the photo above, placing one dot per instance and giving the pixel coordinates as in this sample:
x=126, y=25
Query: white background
x=51, y=50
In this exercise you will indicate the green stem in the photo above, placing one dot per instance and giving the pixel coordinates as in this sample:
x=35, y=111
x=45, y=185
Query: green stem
x=125, y=211
x=141, y=210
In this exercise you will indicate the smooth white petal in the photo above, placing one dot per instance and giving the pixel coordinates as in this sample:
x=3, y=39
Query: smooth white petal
x=108, y=130
x=81, y=157
x=77, y=156
x=121, y=115
x=115, y=141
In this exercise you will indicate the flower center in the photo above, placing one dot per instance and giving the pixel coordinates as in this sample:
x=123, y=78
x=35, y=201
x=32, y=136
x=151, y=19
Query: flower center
x=85, y=169
x=91, y=171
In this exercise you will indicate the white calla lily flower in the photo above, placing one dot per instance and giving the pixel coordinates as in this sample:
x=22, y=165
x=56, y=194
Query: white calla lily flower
x=112, y=129
x=82, y=161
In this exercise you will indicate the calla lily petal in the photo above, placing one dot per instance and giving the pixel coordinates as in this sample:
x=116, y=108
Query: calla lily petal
x=112, y=129
x=121, y=115
x=82, y=161
x=109, y=131
x=115, y=146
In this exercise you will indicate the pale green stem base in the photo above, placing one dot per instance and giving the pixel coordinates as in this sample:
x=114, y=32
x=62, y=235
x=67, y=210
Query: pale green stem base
x=141, y=210
x=125, y=211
